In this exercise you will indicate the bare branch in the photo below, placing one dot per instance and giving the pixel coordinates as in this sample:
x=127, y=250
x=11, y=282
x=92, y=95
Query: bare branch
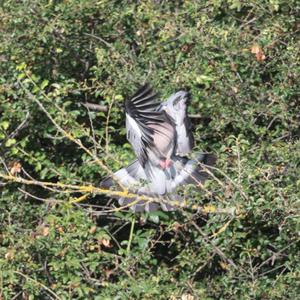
x=217, y=249
x=92, y=190
x=95, y=107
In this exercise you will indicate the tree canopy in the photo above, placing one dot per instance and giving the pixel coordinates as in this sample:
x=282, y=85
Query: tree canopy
x=66, y=68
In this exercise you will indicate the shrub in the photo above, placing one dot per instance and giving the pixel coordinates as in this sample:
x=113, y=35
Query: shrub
x=240, y=62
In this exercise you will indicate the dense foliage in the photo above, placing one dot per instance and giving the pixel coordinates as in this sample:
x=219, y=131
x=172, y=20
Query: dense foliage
x=240, y=61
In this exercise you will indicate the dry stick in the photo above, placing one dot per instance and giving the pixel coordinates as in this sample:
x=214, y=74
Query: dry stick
x=20, y=126
x=39, y=284
x=130, y=235
x=239, y=163
x=70, y=137
x=95, y=190
x=82, y=189
x=217, y=249
x=106, y=126
x=96, y=107
x=222, y=229
x=47, y=200
x=15, y=296
x=93, y=130
x=203, y=265
x=4, y=164
x=275, y=255
x=71, y=187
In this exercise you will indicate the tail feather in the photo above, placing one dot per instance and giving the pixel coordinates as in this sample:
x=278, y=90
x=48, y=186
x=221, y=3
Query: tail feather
x=106, y=183
x=200, y=173
x=209, y=159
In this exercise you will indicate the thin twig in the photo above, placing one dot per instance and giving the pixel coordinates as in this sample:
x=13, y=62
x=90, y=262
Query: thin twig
x=130, y=234
x=20, y=126
x=39, y=284
x=217, y=249
x=106, y=126
x=96, y=107
x=49, y=200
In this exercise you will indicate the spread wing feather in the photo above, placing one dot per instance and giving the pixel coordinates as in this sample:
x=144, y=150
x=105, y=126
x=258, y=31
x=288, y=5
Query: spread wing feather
x=141, y=111
x=176, y=108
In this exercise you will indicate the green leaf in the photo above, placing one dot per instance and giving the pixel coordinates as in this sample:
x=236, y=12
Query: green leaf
x=22, y=75
x=10, y=142
x=44, y=84
x=21, y=66
x=4, y=125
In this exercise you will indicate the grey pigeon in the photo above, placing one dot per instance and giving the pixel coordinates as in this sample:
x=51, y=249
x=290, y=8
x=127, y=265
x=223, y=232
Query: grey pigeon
x=160, y=135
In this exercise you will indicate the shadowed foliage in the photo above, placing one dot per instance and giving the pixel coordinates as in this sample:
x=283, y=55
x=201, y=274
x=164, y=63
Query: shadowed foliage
x=238, y=236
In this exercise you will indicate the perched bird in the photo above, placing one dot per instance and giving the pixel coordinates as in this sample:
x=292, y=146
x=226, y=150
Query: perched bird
x=161, y=137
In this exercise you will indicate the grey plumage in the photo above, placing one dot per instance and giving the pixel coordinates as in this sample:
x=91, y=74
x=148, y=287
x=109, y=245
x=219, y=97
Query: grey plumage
x=176, y=108
x=149, y=130
x=162, y=183
x=161, y=136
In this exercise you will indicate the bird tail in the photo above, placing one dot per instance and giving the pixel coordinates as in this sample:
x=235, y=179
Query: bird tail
x=203, y=171
x=106, y=183
x=208, y=159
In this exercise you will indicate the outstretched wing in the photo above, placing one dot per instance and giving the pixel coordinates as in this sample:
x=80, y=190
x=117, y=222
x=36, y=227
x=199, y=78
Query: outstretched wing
x=192, y=171
x=144, y=122
x=129, y=177
x=176, y=108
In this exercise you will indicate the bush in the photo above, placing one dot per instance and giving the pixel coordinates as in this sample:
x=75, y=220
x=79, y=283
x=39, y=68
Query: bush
x=240, y=62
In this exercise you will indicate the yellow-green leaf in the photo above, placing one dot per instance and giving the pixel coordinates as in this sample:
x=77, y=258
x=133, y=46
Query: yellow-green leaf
x=10, y=142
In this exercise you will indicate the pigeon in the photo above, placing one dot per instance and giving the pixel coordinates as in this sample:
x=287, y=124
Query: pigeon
x=162, y=185
x=161, y=137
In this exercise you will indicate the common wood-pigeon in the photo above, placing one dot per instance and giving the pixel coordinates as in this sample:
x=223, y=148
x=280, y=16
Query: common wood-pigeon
x=161, y=136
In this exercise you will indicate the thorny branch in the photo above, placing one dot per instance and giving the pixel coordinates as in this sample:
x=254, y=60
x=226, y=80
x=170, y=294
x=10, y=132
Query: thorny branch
x=92, y=190
x=70, y=136
x=216, y=249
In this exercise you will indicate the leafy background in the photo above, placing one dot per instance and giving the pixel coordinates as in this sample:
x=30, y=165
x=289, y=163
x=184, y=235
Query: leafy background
x=239, y=60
